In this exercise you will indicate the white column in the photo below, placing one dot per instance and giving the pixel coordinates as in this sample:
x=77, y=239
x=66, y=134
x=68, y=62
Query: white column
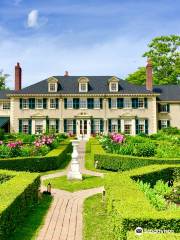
x=33, y=126
x=88, y=128
x=44, y=125
x=122, y=125
x=133, y=127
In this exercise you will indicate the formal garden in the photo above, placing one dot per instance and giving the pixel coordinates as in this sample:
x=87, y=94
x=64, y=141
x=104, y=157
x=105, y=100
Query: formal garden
x=141, y=181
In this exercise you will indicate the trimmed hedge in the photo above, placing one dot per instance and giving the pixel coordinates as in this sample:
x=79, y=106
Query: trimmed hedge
x=115, y=162
x=129, y=208
x=53, y=160
x=17, y=196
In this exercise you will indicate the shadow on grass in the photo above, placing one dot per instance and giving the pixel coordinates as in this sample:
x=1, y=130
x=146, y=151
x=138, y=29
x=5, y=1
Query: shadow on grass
x=29, y=229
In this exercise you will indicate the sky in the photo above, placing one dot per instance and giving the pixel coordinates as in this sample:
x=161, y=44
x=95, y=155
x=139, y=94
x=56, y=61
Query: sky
x=91, y=37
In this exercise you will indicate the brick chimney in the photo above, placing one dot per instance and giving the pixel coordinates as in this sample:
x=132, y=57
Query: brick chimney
x=66, y=74
x=149, y=75
x=18, y=73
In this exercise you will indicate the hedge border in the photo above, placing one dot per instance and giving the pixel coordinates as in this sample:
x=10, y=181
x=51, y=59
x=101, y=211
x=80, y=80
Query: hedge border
x=18, y=195
x=129, y=208
x=115, y=162
x=53, y=160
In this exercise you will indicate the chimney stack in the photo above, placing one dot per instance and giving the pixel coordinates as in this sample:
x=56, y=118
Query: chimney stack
x=149, y=75
x=66, y=74
x=18, y=73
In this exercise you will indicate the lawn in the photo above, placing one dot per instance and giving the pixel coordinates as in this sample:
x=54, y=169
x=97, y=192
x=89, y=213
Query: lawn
x=75, y=185
x=151, y=236
x=96, y=221
x=33, y=223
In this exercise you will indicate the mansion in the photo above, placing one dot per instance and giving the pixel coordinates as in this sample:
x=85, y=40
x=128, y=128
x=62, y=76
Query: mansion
x=85, y=105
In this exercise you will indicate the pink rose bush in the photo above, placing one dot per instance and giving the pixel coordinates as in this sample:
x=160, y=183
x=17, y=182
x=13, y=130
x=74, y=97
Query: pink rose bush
x=44, y=140
x=117, y=138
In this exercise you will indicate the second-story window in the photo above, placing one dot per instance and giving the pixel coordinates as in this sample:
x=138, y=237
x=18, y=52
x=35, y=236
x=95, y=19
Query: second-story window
x=127, y=103
x=163, y=108
x=39, y=103
x=113, y=102
x=6, y=105
x=25, y=103
x=69, y=103
x=96, y=103
x=83, y=103
x=52, y=103
x=140, y=102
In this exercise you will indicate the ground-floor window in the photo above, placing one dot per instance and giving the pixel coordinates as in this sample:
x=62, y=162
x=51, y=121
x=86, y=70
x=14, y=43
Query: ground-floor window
x=38, y=126
x=25, y=126
x=141, y=126
x=69, y=125
x=114, y=125
x=164, y=123
x=127, y=126
x=52, y=125
x=96, y=125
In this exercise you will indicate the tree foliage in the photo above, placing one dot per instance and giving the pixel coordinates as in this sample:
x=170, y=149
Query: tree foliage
x=164, y=53
x=3, y=78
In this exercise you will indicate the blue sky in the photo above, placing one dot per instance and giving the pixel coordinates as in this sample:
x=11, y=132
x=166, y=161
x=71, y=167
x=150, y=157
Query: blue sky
x=92, y=37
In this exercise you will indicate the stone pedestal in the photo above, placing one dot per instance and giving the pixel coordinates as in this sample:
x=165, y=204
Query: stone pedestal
x=74, y=172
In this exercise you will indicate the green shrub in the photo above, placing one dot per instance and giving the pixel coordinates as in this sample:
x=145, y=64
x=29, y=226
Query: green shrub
x=43, y=150
x=170, y=130
x=2, y=134
x=53, y=160
x=5, y=151
x=144, y=150
x=168, y=150
x=18, y=195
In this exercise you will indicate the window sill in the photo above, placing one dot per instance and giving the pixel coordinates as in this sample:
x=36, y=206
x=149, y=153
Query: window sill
x=164, y=112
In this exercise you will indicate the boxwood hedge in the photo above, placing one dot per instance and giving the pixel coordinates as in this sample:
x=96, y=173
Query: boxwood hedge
x=116, y=162
x=129, y=208
x=53, y=160
x=17, y=196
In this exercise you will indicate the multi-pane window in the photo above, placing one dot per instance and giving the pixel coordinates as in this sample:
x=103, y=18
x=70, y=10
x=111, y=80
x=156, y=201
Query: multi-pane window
x=96, y=103
x=140, y=102
x=38, y=126
x=127, y=103
x=141, y=126
x=83, y=87
x=70, y=126
x=113, y=102
x=39, y=103
x=127, y=126
x=25, y=126
x=164, y=123
x=69, y=103
x=83, y=103
x=25, y=103
x=52, y=103
x=96, y=125
x=114, y=87
x=6, y=105
x=52, y=125
x=164, y=108
x=52, y=87
x=114, y=125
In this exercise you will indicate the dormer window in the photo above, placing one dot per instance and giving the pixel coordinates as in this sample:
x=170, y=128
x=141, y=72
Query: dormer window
x=113, y=84
x=52, y=84
x=83, y=84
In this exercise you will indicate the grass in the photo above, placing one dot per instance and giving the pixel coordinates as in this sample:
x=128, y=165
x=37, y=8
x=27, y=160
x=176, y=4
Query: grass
x=96, y=222
x=32, y=224
x=75, y=185
x=151, y=236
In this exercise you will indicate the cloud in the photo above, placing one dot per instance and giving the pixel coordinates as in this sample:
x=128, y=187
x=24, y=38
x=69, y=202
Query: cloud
x=17, y=2
x=32, y=20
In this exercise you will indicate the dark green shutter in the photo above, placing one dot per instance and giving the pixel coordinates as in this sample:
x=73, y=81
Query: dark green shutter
x=137, y=126
x=109, y=126
x=101, y=125
x=119, y=125
x=76, y=103
x=47, y=125
x=65, y=125
x=109, y=101
x=145, y=102
x=134, y=102
x=159, y=124
x=92, y=126
x=30, y=126
x=65, y=103
x=159, y=107
x=57, y=103
x=20, y=125
x=168, y=123
x=57, y=125
x=146, y=126
x=44, y=103
x=31, y=103
x=120, y=103
x=74, y=126
x=90, y=103
x=168, y=107
x=101, y=103
x=20, y=103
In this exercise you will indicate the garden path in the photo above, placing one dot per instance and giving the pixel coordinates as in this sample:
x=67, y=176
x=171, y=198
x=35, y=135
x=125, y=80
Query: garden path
x=64, y=218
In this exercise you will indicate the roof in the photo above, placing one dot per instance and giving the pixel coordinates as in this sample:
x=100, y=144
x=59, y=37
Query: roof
x=3, y=94
x=167, y=92
x=96, y=85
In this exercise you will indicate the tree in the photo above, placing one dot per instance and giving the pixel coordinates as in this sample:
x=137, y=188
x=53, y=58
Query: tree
x=3, y=78
x=164, y=53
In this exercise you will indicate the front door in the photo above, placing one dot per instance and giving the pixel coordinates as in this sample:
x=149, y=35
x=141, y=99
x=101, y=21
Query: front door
x=84, y=129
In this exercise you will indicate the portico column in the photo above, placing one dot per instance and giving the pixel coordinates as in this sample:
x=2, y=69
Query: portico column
x=122, y=125
x=33, y=126
x=133, y=127
x=44, y=125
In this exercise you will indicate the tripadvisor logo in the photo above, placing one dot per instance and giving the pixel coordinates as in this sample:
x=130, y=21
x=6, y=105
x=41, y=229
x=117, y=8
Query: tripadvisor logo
x=138, y=231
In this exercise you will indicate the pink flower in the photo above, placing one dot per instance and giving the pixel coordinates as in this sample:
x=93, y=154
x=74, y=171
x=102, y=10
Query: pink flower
x=1, y=142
